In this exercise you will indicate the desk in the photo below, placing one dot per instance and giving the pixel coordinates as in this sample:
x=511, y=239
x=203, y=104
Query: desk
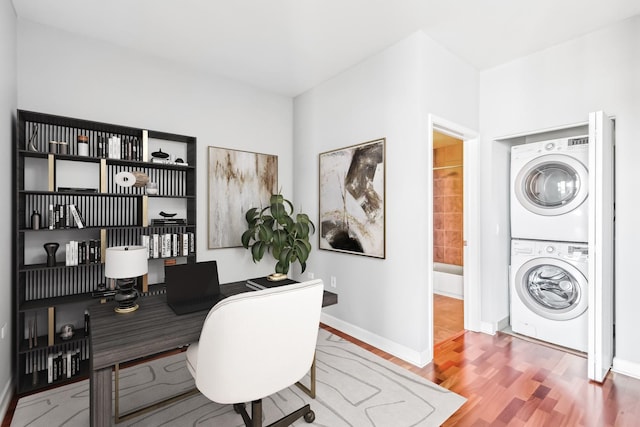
x=154, y=328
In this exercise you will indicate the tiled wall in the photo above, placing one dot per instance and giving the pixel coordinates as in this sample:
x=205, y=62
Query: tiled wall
x=447, y=205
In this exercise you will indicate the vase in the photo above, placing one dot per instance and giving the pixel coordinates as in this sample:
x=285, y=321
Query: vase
x=51, y=249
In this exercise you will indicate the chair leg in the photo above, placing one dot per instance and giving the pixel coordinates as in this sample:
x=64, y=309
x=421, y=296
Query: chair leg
x=240, y=409
x=256, y=415
x=287, y=420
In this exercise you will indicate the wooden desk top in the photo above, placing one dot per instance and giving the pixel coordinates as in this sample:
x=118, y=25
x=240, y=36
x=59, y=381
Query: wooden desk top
x=151, y=329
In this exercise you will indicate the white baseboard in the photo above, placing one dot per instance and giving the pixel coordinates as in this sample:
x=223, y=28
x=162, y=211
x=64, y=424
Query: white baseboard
x=625, y=367
x=503, y=323
x=419, y=359
x=492, y=328
x=448, y=294
x=5, y=400
x=487, y=328
x=451, y=285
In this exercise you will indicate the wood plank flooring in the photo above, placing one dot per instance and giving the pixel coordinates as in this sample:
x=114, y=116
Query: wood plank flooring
x=448, y=317
x=512, y=382
x=509, y=381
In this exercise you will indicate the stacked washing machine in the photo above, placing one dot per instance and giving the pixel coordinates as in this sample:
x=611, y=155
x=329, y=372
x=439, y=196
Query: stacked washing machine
x=549, y=232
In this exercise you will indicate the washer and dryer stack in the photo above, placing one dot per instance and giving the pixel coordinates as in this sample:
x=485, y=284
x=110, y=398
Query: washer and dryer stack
x=549, y=232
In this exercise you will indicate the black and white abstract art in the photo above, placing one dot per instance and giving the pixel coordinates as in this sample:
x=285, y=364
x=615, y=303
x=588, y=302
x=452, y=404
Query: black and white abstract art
x=238, y=181
x=352, y=199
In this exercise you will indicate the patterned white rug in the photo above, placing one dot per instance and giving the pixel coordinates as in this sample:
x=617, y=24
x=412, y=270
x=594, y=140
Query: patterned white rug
x=354, y=388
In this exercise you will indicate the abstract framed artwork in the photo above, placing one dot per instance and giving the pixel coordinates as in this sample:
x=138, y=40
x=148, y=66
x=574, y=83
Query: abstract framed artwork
x=352, y=199
x=237, y=180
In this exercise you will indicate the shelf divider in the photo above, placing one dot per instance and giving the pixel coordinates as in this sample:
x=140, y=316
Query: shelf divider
x=103, y=175
x=51, y=326
x=51, y=163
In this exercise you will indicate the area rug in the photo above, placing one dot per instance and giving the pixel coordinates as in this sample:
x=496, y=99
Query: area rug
x=354, y=388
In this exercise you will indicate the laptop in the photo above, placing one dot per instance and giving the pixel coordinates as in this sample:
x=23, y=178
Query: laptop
x=192, y=287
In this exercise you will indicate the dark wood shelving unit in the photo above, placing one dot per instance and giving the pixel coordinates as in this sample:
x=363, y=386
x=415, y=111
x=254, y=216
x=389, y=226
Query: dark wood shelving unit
x=27, y=385
x=113, y=215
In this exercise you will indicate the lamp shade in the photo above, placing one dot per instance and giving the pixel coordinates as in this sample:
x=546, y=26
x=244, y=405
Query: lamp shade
x=123, y=262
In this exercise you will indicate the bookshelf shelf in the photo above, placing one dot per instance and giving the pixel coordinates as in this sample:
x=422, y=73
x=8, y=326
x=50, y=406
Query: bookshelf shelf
x=65, y=166
x=78, y=337
x=58, y=266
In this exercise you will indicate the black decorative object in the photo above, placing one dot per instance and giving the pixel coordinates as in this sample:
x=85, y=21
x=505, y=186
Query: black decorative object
x=159, y=154
x=32, y=138
x=51, y=249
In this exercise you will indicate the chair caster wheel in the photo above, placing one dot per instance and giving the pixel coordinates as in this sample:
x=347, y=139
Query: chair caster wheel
x=238, y=407
x=310, y=416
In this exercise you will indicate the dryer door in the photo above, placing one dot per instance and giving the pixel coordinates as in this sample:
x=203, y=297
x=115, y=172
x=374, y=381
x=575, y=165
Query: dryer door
x=552, y=288
x=552, y=185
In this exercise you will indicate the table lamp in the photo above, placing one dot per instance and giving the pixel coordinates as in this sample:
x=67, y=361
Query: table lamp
x=126, y=264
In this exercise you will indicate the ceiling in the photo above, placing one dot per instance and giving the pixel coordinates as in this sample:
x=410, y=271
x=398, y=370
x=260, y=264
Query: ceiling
x=290, y=46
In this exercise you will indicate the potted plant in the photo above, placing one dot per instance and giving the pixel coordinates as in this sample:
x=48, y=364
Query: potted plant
x=274, y=229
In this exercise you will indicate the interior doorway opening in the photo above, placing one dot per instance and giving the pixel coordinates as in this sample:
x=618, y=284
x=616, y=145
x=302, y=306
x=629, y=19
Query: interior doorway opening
x=448, y=236
x=470, y=238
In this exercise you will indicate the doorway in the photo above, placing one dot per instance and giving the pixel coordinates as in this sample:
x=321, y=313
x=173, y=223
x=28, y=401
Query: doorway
x=448, y=249
x=470, y=237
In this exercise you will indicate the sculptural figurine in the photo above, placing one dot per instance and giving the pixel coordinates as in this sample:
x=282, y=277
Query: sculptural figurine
x=51, y=249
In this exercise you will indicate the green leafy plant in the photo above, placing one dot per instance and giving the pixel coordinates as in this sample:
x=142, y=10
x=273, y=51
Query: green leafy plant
x=274, y=229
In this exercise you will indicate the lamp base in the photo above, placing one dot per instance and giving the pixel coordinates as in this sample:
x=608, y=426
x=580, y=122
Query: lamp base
x=126, y=296
x=126, y=309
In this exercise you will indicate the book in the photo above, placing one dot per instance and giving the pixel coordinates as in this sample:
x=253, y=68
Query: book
x=145, y=242
x=155, y=245
x=75, y=213
x=103, y=294
x=168, y=221
x=259, y=283
x=185, y=244
x=114, y=147
x=50, y=217
x=50, y=368
x=77, y=190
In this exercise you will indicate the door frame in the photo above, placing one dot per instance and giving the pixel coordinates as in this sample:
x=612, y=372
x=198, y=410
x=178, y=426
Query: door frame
x=471, y=223
x=601, y=245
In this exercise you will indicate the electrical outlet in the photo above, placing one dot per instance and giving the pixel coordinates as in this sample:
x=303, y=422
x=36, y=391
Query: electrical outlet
x=333, y=281
x=310, y=276
x=3, y=331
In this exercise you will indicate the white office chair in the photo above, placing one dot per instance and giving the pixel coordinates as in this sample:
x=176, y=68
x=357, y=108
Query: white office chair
x=255, y=344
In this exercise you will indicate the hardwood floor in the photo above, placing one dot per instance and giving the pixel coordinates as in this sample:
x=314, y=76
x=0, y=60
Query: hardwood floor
x=512, y=382
x=448, y=317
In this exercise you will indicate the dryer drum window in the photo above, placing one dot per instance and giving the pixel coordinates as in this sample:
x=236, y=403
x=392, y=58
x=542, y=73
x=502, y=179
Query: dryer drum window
x=552, y=287
x=551, y=185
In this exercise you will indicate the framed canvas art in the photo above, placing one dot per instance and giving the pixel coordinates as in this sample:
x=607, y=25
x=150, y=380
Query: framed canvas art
x=238, y=181
x=352, y=199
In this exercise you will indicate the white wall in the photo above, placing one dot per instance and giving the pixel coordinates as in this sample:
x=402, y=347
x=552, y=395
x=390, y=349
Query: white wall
x=384, y=302
x=63, y=74
x=8, y=102
x=557, y=87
